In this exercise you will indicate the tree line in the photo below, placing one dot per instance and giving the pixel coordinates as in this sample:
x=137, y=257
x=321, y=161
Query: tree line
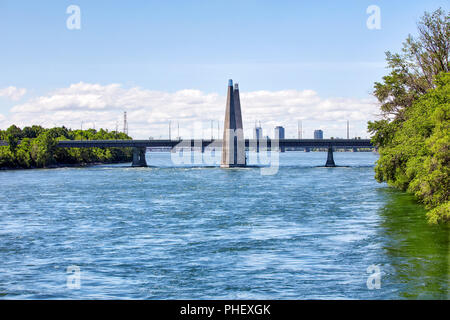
x=35, y=147
x=412, y=134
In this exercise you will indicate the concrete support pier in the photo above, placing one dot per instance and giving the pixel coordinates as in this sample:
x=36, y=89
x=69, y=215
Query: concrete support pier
x=233, y=143
x=330, y=160
x=139, y=157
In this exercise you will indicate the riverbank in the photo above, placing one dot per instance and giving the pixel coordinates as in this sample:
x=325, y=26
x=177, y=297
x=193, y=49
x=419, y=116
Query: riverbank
x=65, y=165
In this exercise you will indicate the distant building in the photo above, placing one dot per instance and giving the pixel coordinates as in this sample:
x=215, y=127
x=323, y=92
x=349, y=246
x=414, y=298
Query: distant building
x=257, y=133
x=318, y=134
x=279, y=134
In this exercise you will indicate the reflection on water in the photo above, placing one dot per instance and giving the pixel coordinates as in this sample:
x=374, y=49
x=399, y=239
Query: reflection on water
x=418, y=253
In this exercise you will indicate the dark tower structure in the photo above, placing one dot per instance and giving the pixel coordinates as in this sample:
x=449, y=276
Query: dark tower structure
x=237, y=107
x=233, y=145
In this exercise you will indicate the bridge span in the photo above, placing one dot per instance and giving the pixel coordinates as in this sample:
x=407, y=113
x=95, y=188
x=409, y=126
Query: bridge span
x=216, y=143
x=139, y=146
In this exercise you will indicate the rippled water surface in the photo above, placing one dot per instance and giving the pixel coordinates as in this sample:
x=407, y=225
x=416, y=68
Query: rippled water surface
x=209, y=233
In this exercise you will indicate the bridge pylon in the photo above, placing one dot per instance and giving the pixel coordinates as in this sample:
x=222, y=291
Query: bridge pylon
x=233, y=143
x=139, y=157
x=330, y=159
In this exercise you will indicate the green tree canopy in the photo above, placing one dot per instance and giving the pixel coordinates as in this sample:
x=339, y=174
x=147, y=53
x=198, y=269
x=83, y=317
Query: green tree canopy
x=35, y=147
x=413, y=70
x=413, y=133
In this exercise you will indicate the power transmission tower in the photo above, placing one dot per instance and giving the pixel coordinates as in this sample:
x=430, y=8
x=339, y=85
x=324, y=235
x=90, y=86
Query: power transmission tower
x=348, y=132
x=125, y=123
x=170, y=130
x=212, y=134
x=300, y=129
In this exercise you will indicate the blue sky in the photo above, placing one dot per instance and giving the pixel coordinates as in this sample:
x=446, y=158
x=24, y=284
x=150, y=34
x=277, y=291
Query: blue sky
x=169, y=46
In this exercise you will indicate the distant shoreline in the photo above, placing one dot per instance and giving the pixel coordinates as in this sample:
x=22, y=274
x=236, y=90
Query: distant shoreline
x=62, y=165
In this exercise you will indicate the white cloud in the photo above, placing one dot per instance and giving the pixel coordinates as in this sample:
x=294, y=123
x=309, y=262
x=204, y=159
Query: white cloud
x=13, y=93
x=150, y=111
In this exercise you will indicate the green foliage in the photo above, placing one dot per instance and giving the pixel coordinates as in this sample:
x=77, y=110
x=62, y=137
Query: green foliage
x=413, y=137
x=413, y=70
x=37, y=147
x=416, y=156
x=32, y=132
x=440, y=213
x=12, y=143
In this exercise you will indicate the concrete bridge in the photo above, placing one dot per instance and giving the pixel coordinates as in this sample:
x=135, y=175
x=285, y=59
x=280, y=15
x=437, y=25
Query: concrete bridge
x=233, y=144
x=139, y=146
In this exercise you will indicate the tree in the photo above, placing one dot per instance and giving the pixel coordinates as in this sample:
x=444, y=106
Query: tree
x=37, y=147
x=413, y=134
x=32, y=132
x=44, y=147
x=413, y=70
x=13, y=142
x=14, y=131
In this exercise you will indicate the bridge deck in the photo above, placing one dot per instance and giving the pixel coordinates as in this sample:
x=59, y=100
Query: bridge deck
x=308, y=143
x=217, y=143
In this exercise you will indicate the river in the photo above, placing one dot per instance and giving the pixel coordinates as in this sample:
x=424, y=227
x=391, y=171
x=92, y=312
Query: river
x=192, y=232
